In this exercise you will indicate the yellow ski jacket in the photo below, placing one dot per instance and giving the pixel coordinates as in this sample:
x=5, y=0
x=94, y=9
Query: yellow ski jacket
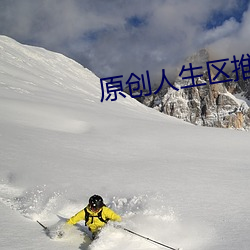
x=94, y=223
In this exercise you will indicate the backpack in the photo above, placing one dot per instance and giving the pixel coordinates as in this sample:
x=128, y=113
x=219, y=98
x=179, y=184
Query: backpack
x=88, y=216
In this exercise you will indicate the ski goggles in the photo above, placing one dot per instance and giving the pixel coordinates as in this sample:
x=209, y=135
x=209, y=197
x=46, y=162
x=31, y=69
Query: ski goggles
x=94, y=208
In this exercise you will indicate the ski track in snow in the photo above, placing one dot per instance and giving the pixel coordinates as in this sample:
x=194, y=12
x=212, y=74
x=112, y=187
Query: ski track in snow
x=43, y=117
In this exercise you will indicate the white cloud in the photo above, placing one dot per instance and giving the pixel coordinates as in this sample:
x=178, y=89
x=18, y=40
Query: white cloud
x=236, y=42
x=98, y=34
x=228, y=28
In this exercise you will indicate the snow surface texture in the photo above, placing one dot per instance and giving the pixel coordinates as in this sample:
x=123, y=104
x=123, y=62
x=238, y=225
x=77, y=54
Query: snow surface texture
x=173, y=182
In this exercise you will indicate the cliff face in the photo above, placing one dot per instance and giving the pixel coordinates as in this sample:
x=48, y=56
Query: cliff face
x=239, y=88
x=213, y=105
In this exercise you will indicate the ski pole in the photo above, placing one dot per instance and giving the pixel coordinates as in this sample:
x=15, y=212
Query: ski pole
x=146, y=238
x=45, y=228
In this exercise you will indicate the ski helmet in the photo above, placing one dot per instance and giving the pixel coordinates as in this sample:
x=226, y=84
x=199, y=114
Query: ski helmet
x=95, y=202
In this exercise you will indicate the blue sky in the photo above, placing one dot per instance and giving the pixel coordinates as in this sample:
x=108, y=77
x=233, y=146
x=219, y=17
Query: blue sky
x=118, y=37
x=218, y=17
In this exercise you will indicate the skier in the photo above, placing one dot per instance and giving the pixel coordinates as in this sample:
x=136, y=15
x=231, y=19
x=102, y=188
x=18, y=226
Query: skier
x=95, y=214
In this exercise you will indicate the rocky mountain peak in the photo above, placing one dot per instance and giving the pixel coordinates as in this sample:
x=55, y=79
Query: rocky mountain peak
x=206, y=104
x=199, y=58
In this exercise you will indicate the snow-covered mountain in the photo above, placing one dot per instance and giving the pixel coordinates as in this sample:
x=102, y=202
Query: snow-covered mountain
x=223, y=105
x=182, y=185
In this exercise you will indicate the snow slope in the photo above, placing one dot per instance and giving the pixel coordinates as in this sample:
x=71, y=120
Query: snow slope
x=176, y=183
